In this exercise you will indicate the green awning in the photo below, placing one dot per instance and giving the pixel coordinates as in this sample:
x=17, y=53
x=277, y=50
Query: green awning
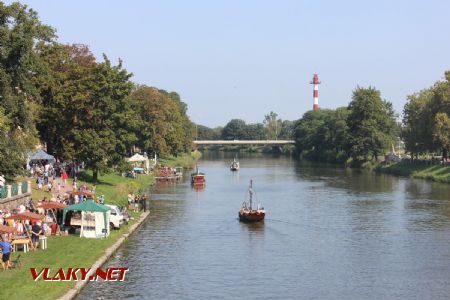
x=86, y=206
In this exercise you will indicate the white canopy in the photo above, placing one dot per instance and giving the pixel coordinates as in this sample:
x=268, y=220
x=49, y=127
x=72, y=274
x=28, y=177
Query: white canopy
x=137, y=158
x=94, y=224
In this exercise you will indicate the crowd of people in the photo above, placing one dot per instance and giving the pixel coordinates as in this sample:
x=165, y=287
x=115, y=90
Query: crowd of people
x=32, y=228
x=46, y=175
x=51, y=177
x=137, y=202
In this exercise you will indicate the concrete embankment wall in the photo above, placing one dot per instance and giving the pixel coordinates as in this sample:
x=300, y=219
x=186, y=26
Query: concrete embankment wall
x=71, y=294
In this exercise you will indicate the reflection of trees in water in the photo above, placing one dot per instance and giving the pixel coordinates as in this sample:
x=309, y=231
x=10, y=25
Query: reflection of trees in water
x=430, y=203
x=353, y=180
x=422, y=189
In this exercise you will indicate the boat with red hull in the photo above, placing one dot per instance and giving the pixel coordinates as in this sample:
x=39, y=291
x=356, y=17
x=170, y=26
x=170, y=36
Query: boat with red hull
x=249, y=214
x=197, y=178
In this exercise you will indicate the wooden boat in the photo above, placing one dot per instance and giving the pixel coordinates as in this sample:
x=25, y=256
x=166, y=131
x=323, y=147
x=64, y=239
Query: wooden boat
x=165, y=174
x=234, y=165
x=247, y=213
x=197, y=177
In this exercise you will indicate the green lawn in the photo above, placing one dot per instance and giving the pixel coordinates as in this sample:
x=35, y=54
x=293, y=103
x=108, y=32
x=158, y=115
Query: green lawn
x=67, y=251
x=114, y=187
x=438, y=173
x=184, y=160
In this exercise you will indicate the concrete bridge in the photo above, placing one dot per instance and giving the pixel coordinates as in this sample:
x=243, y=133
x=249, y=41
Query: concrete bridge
x=244, y=142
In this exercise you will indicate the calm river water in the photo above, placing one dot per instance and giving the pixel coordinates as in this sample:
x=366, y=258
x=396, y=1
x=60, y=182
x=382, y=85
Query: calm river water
x=329, y=233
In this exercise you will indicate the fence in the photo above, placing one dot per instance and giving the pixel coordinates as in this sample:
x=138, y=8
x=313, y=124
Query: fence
x=3, y=192
x=14, y=189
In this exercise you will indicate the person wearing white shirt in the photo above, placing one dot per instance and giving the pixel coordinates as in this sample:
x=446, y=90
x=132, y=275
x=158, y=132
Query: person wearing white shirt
x=21, y=208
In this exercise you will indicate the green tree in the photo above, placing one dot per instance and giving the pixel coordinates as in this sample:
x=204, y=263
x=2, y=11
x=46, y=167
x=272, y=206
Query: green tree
x=164, y=126
x=102, y=130
x=417, y=131
x=206, y=133
x=272, y=125
x=65, y=86
x=234, y=130
x=254, y=131
x=12, y=148
x=371, y=124
x=441, y=133
x=287, y=129
x=310, y=133
x=425, y=119
x=20, y=31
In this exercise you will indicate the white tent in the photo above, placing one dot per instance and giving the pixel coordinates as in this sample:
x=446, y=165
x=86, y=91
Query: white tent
x=93, y=224
x=94, y=221
x=137, y=158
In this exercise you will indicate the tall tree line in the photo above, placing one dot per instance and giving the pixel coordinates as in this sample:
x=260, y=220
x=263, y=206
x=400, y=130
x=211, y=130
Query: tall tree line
x=271, y=128
x=426, y=120
x=359, y=132
x=80, y=108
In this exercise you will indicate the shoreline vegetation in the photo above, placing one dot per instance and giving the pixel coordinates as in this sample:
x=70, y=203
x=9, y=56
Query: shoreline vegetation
x=427, y=171
x=285, y=149
x=186, y=160
x=70, y=251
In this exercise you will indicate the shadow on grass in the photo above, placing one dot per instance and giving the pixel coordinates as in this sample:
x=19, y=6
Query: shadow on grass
x=87, y=177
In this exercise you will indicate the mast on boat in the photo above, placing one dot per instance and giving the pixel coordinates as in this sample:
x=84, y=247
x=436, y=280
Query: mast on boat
x=250, y=191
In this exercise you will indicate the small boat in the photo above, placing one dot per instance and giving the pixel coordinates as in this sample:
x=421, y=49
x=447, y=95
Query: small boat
x=234, y=165
x=197, y=177
x=179, y=172
x=247, y=213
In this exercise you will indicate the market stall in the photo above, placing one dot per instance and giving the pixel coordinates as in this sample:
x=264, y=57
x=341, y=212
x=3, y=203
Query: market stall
x=6, y=230
x=139, y=162
x=50, y=208
x=40, y=155
x=32, y=217
x=91, y=217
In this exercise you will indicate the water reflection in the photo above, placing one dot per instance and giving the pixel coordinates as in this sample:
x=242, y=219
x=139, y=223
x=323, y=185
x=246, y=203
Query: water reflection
x=329, y=233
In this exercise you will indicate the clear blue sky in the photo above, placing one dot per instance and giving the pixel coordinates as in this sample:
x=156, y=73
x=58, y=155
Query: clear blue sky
x=242, y=59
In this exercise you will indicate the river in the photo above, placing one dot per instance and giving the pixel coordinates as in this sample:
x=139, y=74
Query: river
x=329, y=233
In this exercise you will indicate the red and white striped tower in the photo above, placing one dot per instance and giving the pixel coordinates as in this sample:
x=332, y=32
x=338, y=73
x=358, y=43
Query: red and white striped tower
x=316, y=83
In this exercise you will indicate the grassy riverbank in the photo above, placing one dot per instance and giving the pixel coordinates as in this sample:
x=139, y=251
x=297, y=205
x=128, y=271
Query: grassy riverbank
x=187, y=160
x=68, y=251
x=437, y=173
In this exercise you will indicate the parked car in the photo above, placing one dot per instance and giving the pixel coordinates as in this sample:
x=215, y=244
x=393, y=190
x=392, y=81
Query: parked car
x=116, y=218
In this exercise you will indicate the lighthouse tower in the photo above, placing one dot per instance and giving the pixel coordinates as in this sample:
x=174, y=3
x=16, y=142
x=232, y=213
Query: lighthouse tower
x=316, y=83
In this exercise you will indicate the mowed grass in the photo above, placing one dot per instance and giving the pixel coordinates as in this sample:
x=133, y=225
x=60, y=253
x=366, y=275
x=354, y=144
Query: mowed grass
x=115, y=187
x=67, y=251
x=185, y=160
x=439, y=173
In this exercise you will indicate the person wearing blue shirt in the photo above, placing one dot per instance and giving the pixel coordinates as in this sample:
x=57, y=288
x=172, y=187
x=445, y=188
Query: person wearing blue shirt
x=6, y=250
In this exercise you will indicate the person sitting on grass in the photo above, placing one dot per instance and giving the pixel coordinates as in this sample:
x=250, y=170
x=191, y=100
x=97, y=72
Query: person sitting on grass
x=36, y=230
x=6, y=250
